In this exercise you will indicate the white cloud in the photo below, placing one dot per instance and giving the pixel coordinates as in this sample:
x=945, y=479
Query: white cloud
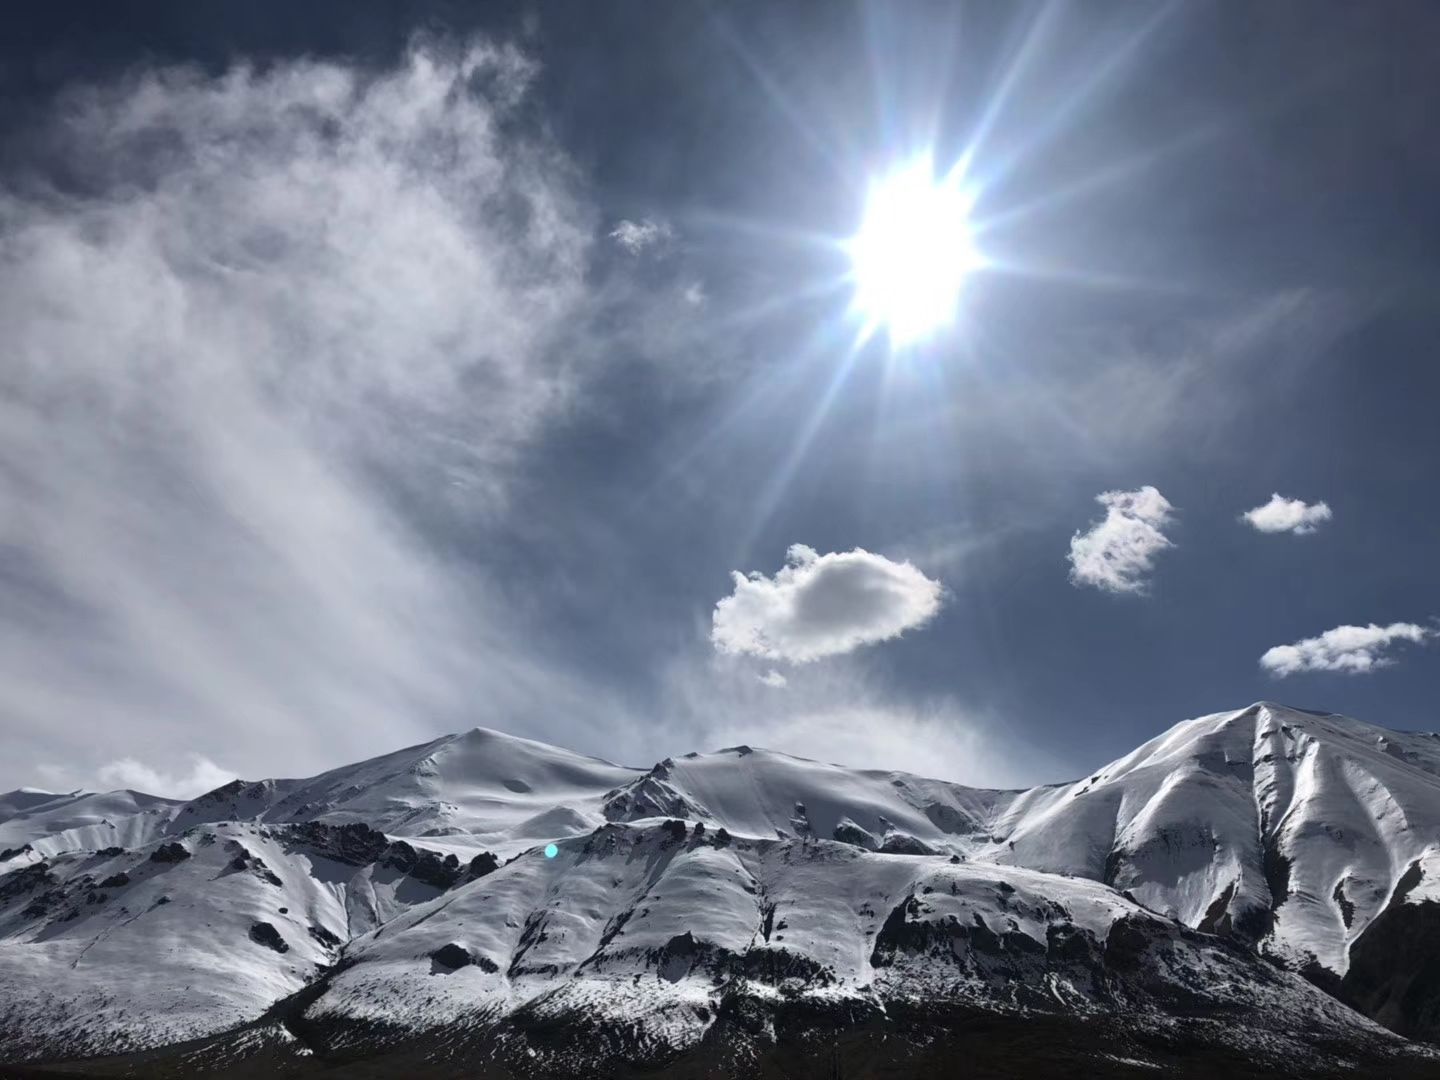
x=849, y=712
x=637, y=236
x=822, y=605
x=774, y=679
x=204, y=775
x=933, y=740
x=270, y=305
x=1119, y=551
x=1350, y=649
x=1287, y=515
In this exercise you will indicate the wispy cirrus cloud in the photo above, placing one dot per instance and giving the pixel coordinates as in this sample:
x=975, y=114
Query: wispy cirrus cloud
x=1118, y=552
x=269, y=306
x=1287, y=515
x=1353, y=650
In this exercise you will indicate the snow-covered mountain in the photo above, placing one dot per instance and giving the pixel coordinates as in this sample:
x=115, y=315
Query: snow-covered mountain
x=1255, y=889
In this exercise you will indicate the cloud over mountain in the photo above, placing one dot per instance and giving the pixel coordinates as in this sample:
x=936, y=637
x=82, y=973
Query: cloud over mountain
x=127, y=772
x=269, y=308
x=822, y=605
x=1118, y=552
x=1351, y=649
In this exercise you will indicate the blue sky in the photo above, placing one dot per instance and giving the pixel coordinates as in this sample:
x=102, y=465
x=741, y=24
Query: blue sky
x=384, y=372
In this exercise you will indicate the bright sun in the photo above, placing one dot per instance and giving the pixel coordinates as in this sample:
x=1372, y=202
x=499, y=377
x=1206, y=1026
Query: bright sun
x=912, y=252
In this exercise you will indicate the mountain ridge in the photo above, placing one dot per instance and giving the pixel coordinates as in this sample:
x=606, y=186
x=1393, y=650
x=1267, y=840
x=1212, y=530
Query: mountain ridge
x=413, y=893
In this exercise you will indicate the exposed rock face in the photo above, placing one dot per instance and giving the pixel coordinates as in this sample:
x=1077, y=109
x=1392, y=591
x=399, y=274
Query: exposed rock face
x=356, y=844
x=426, y=866
x=1394, y=974
x=353, y=843
x=484, y=863
x=676, y=830
x=247, y=862
x=116, y=881
x=170, y=853
x=27, y=879
x=263, y=933
x=847, y=832
x=898, y=843
x=452, y=956
x=651, y=796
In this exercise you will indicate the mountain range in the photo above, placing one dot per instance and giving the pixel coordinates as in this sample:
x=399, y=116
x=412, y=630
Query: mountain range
x=1255, y=892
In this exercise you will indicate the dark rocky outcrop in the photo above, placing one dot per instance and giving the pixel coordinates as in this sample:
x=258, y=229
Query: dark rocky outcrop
x=357, y=844
x=650, y=796
x=455, y=956
x=116, y=881
x=898, y=843
x=353, y=843
x=323, y=936
x=847, y=832
x=1394, y=976
x=10, y=853
x=1217, y=918
x=435, y=870
x=482, y=864
x=989, y=951
x=26, y=879
x=246, y=862
x=452, y=956
x=675, y=830
x=170, y=853
x=263, y=933
x=1347, y=909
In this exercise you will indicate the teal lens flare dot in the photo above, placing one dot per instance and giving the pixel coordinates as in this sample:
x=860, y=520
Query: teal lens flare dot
x=551, y=851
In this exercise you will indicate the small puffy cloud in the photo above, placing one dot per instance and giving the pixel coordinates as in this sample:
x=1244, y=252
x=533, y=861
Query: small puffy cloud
x=127, y=772
x=637, y=236
x=823, y=605
x=1351, y=649
x=1287, y=515
x=774, y=679
x=1119, y=551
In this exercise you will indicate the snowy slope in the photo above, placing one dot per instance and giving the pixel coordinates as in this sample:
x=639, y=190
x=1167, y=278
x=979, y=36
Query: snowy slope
x=638, y=930
x=1275, y=823
x=761, y=793
x=186, y=936
x=81, y=820
x=1312, y=838
x=483, y=789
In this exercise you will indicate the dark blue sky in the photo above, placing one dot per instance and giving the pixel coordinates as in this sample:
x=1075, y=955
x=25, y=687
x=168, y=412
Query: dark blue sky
x=1213, y=230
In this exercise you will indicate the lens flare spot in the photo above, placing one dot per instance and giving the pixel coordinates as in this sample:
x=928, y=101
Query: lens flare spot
x=551, y=851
